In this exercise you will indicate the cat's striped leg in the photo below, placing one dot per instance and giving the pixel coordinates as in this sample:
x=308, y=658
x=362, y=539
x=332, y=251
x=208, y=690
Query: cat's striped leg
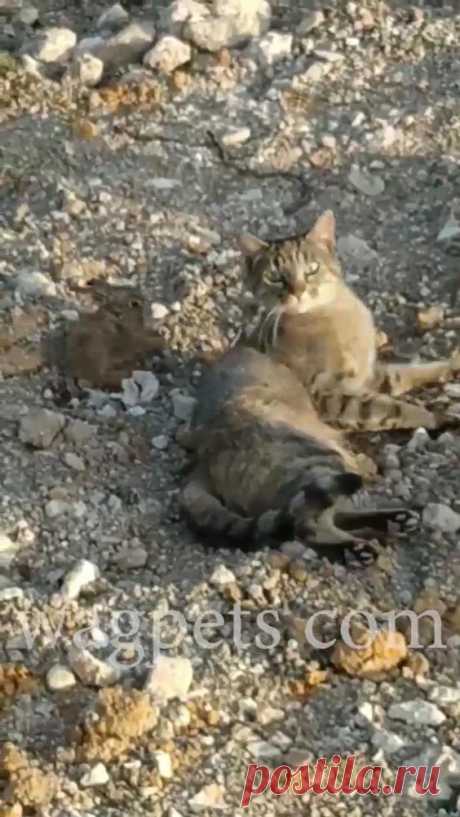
x=209, y=516
x=396, y=379
x=377, y=412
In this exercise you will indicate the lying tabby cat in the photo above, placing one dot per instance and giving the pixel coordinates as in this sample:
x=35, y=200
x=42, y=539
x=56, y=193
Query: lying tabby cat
x=267, y=467
x=316, y=325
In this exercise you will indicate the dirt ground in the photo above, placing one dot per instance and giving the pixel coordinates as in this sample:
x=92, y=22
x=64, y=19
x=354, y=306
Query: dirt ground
x=148, y=179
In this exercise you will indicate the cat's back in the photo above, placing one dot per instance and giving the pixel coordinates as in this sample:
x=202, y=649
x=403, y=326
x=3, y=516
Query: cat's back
x=243, y=375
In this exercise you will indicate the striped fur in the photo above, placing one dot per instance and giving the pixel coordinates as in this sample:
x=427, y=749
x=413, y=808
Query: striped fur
x=317, y=326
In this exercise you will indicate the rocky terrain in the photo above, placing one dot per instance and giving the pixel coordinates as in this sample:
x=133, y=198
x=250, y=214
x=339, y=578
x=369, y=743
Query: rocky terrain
x=137, y=142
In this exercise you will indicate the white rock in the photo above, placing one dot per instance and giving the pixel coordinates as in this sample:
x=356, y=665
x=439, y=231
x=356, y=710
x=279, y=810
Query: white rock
x=316, y=72
x=136, y=411
x=28, y=15
x=97, y=776
x=160, y=442
x=444, y=696
x=168, y=54
x=179, y=12
x=222, y=576
x=130, y=394
x=113, y=17
x=450, y=230
x=366, y=183
x=211, y=796
x=91, y=670
x=164, y=765
x=56, y=507
x=11, y=593
x=389, y=742
x=159, y=311
x=82, y=574
x=148, y=384
x=274, y=47
x=60, y=677
x=32, y=66
x=453, y=390
x=161, y=183
x=8, y=550
x=53, y=44
x=73, y=461
x=35, y=284
x=127, y=46
x=88, y=69
x=235, y=137
x=441, y=517
x=355, y=251
x=169, y=678
x=232, y=24
x=40, y=427
x=417, y=711
x=183, y=405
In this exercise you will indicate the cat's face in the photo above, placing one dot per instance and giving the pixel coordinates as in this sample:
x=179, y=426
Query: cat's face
x=296, y=275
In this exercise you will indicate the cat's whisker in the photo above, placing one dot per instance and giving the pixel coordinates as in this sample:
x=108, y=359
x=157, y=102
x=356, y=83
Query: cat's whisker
x=278, y=316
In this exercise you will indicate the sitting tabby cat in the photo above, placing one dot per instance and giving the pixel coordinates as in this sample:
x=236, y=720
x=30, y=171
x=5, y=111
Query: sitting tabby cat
x=267, y=467
x=316, y=325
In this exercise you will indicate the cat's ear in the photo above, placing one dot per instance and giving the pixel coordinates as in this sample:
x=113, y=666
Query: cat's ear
x=250, y=245
x=323, y=231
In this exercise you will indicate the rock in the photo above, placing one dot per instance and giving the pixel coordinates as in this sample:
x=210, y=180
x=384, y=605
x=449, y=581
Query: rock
x=417, y=712
x=366, y=183
x=133, y=558
x=235, y=137
x=148, y=384
x=114, y=17
x=384, y=652
x=168, y=54
x=73, y=461
x=180, y=12
x=232, y=24
x=389, y=742
x=53, y=44
x=430, y=318
x=56, y=507
x=11, y=593
x=160, y=442
x=417, y=664
x=87, y=69
x=444, y=696
x=82, y=574
x=130, y=394
x=419, y=440
x=164, y=765
x=441, y=517
x=35, y=285
x=211, y=796
x=448, y=760
x=60, y=677
x=78, y=432
x=453, y=390
x=183, y=405
x=451, y=229
x=222, y=576
x=127, y=46
x=28, y=15
x=274, y=47
x=8, y=550
x=91, y=670
x=159, y=311
x=9, y=7
x=355, y=251
x=40, y=427
x=169, y=678
x=294, y=549
x=316, y=72
x=97, y=776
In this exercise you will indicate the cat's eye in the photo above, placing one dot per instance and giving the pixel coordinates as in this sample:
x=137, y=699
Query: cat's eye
x=312, y=269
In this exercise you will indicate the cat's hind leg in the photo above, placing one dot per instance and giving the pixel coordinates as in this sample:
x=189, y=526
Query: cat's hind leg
x=209, y=516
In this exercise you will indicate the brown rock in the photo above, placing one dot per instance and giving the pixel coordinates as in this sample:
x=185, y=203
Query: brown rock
x=383, y=653
x=430, y=318
x=125, y=717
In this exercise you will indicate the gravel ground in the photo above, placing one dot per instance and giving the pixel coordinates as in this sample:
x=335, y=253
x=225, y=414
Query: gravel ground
x=147, y=176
